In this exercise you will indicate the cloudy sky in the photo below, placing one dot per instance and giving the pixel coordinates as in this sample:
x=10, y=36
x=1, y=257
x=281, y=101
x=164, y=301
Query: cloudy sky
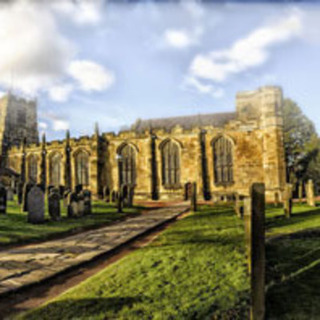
x=98, y=61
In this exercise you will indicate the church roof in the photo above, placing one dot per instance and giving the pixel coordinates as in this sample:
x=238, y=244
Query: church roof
x=186, y=122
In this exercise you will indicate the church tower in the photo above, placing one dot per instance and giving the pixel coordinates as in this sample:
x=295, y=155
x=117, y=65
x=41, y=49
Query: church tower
x=18, y=121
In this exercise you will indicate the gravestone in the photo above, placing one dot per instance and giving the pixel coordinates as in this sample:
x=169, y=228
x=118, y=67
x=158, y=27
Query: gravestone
x=125, y=195
x=35, y=205
x=106, y=194
x=54, y=204
x=9, y=194
x=194, y=197
x=20, y=192
x=300, y=192
x=78, y=188
x=72, y=205
x=3, y=199
x=81, y=204
x=87, y=202
x=310, y=193
x=49, y=188
x=131, y=196
x=119, y=201
x=114, y=195
x=65, y=198
x=254, y=214
x=276, y=199
x=287, y=200
x=26, y=189
x=237, y=205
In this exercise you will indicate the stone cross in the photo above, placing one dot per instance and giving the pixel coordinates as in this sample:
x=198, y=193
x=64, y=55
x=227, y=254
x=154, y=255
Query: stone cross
x=254, y=216
x=310, y=193
x=287, y=200
x=87, y=202
x=72, y=204
x=35, y=205
x=54, y=204
x=3, y=199
x=194, y=197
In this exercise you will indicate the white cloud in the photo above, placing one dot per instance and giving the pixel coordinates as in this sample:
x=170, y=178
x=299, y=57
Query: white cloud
x=246, y=53
x=60, y=93
x=2, y=94
x=90, y=75
x=33, y=53
x=194, y=8
x=180, y=39
x=43, y=125
x=194, y=84
x=60, y=125
x=82, y=12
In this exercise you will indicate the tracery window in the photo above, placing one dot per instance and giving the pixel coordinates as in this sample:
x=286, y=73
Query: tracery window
x=127, y=165
x=32, y=169
x=170, y=165
x=223, y=161
x=55, y=169
x=82, y=168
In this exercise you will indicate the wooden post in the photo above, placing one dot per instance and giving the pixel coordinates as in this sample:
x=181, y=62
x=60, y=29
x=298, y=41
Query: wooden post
x=287, y=201
x=254, y=215
x=194, y=197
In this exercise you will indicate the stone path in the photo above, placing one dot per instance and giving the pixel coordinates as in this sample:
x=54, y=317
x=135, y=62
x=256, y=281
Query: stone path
x=30, y=264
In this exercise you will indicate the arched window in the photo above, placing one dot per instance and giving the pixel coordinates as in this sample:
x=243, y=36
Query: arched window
x=127, y=165
x=170, y=165
x=223, y=161
x=55, y=169
x=82, y=168
x=32, y=169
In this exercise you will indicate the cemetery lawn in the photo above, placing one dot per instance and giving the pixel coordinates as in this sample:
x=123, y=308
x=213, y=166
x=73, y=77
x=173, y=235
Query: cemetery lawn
x=14, y=228
x=195, y=269
x=293, y=264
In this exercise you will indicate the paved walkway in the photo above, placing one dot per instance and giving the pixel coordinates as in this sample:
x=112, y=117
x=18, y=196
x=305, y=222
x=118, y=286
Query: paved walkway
x=25, y=265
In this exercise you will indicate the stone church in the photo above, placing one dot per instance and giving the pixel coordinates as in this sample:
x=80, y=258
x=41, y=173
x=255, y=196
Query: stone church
x=224, y=153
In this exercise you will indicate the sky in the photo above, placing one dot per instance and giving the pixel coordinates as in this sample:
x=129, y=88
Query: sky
x=115, y=62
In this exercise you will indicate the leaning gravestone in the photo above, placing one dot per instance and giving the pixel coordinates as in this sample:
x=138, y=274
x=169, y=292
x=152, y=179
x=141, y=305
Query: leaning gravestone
x=35, y=205
x=310, y=193
x=3, y=199
x=72, y=204
x=9, y=194
x=81, y=204
x=54, y=204
x=26, y=189
x=87, y=202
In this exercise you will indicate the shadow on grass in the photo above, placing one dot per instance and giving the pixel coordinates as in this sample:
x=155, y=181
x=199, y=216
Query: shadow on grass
x=293, y=278
x=75, y=308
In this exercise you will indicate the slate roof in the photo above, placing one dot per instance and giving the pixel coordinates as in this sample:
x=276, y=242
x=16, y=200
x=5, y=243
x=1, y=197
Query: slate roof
x=186, y=122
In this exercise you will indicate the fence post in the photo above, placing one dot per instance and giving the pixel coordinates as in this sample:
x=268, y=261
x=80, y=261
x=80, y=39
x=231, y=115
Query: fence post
x=254, y=216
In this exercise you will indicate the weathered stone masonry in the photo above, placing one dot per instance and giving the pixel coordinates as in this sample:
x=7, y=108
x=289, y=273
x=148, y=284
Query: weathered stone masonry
x=222, y=153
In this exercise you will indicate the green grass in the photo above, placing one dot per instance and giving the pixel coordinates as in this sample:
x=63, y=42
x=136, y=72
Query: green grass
x=293, y=264
x=193, y=270
x=14, y=228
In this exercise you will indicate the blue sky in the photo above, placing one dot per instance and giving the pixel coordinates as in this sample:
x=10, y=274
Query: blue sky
x=113, y=63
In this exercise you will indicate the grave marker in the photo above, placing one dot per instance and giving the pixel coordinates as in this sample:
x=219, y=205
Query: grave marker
x=35, y=205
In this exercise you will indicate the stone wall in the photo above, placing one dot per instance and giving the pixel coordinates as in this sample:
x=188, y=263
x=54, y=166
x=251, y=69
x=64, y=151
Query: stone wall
x=257, y=148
